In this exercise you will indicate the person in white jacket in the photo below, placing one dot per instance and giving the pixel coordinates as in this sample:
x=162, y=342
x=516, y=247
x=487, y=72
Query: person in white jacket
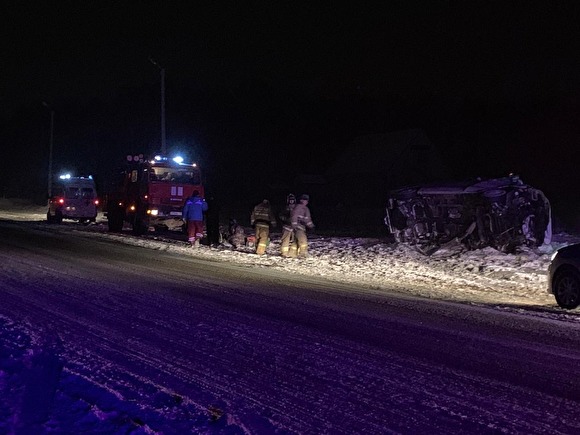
x=300, y=221
x=288, y=245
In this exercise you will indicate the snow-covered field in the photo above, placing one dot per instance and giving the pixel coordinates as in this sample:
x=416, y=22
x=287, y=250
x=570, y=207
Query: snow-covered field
x=508, y=282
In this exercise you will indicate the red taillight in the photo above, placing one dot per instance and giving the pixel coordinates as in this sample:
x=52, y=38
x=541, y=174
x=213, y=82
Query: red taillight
x=96, y=202
x=61, y=201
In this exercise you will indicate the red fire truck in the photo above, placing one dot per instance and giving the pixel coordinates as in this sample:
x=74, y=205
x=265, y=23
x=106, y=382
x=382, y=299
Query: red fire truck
x=150, y=193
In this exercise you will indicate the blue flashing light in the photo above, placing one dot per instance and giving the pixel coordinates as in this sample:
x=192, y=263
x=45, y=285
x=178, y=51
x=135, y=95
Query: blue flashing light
x=158, y=158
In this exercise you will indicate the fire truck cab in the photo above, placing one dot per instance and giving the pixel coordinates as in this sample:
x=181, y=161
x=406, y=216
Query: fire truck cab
x=73, y=198
x=150, y=193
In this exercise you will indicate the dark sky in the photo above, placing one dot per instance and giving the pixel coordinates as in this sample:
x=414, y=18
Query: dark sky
x=270, y=81
x=457, y=49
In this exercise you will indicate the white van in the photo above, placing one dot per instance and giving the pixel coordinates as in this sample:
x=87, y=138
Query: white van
x=73, y=198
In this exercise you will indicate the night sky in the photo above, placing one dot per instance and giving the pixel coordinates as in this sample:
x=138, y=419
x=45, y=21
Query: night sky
x=259, y=91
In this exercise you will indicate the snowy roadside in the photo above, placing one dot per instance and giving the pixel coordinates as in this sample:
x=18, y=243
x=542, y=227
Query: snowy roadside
x=486, y=276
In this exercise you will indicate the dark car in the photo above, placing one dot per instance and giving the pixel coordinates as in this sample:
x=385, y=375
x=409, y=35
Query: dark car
x=499, y=212
x=564, y=276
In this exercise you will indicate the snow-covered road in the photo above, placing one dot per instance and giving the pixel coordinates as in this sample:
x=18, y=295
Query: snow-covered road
x=170, y=340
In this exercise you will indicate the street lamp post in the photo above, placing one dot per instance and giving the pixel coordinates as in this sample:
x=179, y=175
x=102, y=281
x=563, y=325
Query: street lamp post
x=162, y=70
x=50, y=149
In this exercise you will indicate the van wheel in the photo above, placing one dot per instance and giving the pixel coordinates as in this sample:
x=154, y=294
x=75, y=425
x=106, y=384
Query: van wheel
x=50, y=219
x=566, y=289
x=58, y=217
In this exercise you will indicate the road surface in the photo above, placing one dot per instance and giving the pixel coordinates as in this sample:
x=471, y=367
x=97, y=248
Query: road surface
x=270, y=351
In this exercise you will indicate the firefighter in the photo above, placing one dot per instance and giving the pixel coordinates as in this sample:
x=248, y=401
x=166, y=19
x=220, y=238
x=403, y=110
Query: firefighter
x=262, y=218
x=212, y=222
x=288, y=246
x=192, y=214
x=300, y=221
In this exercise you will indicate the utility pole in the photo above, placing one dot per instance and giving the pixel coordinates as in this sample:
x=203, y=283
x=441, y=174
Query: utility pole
x=162, y=70
x=50, y=148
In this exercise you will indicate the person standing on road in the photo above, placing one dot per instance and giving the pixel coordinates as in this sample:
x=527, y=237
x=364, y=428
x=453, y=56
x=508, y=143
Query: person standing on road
x=262, y=218
x=212, y=222
x=192, y=214
x=288, y=246
x=301, y=220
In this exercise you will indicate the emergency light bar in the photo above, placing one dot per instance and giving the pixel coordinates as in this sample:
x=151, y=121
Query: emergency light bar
x=69, y=176
x=160, y=159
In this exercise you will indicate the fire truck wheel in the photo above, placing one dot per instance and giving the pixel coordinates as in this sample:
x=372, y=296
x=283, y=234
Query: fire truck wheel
x=115, y=221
